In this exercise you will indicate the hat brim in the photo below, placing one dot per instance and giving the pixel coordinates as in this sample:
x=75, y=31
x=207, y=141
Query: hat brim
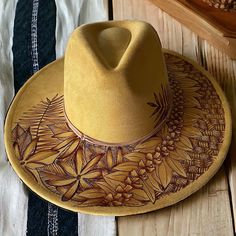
x=162, y=170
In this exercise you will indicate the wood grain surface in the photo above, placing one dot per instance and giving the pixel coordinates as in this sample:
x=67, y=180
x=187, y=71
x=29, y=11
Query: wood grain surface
x=205, y=213
x=205, y=22
x=210, y=211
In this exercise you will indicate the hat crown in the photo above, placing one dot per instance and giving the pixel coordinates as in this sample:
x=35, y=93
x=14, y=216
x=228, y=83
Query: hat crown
x=113, y=43
x=114, y=77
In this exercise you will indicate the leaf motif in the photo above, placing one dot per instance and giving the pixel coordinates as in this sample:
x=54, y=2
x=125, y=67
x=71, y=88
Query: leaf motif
x=109, y=158
x=30, y=149
x=133, y=203
x=30, y=173
x=153, y=182
x=188, y=82
x=17, y=151
x=180, y=155
x=164, y=130
x=114, y=183
x=135, y=156
x=151, y=104
x=79, y=160
x=43, y=114
x=88, y=153
x=59, y=128
x=164, y=173
x=43, y=157
x=17, y=132
x=117, y=175
x=76, y=197
x=140, y=195
x=190, y=120
x=68, y=167
x=24, y=140
x=71, y=191
x=52, y=171
x=119, y=156
x=61, y=182
x=85, y=184
x=155, y=176
x=63, y=144
x=91, y=164
x=191, y=102
x=176, y=166
x=191, y=91
x=186, y=141
x=65, y=135
x=92, y=202
x=45, y=177
x=156, y=98
x=149, y=191
x=34, y=165
x=181, y=146
x=92, y=193
x=155, y=112
x=180, y=75
x=192, y=112
x=126, y=166
x=101, y=164
x=92, y=174
x=72, y=147
x=98, y=149
x=148, y=146
x=105, y=186
x=191, y=132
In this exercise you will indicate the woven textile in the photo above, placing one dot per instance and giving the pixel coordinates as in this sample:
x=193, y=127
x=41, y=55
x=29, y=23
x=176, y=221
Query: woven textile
x=35, y=33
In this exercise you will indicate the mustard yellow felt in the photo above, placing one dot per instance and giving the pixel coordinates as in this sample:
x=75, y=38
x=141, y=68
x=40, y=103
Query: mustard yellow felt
x=129, y=178
x=118, y=65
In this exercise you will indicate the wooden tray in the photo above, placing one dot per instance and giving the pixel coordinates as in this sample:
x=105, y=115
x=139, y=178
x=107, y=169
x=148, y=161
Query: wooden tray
x=214, y=25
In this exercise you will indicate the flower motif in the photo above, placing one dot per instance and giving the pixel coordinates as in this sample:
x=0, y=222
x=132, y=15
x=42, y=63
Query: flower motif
x=134, y=175
x=77, y=175
x=121, y=196
x=134, y=180
x=31, y=159
x=111, y=158
x=160, y=105
x=25, y=151
x=69, y=141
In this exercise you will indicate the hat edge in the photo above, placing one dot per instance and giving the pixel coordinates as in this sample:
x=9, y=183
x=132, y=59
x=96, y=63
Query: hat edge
x=200, y=182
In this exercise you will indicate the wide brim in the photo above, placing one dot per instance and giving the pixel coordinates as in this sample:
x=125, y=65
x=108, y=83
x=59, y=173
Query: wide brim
x=137, y=180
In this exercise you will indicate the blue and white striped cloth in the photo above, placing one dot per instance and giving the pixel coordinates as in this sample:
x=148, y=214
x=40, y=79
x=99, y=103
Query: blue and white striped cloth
x=32, y=34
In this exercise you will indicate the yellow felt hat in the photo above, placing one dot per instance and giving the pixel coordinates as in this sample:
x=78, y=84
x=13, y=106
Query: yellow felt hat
x=119, y=126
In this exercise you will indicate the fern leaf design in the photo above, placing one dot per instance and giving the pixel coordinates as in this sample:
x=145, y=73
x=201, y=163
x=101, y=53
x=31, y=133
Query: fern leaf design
x=161, y=105
x=40, y=117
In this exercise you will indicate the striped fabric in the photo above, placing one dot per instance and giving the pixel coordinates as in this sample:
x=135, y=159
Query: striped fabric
x=35, y=33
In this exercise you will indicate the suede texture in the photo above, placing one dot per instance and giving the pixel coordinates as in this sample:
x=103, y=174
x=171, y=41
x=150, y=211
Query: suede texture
x=107, y=82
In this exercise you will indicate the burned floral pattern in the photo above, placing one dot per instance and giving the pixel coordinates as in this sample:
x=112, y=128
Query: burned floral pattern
x=135, y=175
x=161, y=105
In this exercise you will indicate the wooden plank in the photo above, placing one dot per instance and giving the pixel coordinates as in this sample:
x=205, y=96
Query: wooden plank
x=201, y=206
x=222, y=22
x=170, y=31
x=198, y=21
x=205, y=213
x=224, y=70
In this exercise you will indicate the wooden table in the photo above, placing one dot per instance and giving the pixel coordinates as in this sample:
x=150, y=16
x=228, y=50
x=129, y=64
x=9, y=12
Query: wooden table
x=212, y=210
